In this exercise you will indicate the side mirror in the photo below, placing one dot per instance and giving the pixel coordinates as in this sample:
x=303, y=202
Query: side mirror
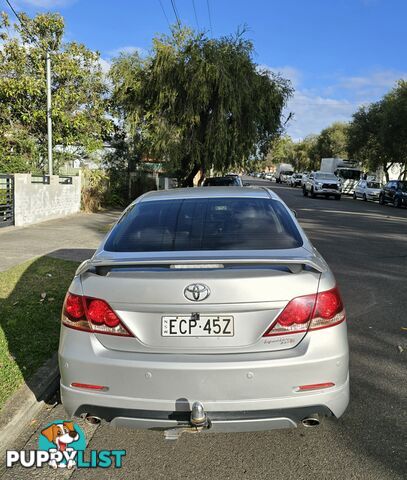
x=295, y=213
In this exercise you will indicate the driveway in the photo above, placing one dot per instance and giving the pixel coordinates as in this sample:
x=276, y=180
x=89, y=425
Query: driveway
x=71, y=238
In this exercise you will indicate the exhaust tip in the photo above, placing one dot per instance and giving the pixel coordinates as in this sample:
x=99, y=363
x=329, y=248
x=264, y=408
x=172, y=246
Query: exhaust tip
x=92, y=420
x=311, y=421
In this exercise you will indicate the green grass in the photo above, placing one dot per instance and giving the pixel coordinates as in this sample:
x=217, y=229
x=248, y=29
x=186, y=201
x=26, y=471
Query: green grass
x=30, y=324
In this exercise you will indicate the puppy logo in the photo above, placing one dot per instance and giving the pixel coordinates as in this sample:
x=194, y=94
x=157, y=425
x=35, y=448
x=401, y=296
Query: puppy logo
x=63, y=439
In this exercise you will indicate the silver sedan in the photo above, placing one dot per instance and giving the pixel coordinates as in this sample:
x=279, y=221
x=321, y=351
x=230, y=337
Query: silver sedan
x=205, y=310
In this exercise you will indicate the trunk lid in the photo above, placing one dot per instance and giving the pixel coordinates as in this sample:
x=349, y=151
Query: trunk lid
x=251, y=291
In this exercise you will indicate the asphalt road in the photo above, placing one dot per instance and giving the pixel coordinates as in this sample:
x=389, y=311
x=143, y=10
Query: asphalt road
x=366, y=246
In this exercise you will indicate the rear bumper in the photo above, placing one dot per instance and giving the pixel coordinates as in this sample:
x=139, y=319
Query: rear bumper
x=239, y=392
x=245, y=421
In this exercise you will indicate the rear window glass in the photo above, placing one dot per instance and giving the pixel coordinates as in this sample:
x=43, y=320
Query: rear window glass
x=221, y=182
x=204, y=224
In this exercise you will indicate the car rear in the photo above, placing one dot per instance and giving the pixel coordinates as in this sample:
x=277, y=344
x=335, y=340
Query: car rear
x=205, y=295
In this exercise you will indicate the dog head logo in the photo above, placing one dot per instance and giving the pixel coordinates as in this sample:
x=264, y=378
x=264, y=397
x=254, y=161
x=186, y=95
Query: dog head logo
x=61, y=434
x=62, y=439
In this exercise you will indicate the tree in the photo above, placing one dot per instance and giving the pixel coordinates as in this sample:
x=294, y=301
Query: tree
x=78, y=94
x=282, y=151
x=377, y=135
x=332, y=141
x=394, y=127
x=199, y=103
x=306, y=153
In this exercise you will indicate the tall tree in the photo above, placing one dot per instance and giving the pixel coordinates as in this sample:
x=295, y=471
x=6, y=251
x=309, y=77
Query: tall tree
x=377, y=135
x=306, y=153
x=200, y=103
x=282, y=150
x=78, y=93
x=332, y=141
x=394, y=126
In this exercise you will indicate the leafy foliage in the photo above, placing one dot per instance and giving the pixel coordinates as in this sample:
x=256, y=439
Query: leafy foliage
x=95, y=184
x=378, y=133
x=199, y=103
x=332, y=141
x=78, y=93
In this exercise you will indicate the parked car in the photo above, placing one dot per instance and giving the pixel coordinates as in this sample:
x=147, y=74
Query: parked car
x=227, y=181
x=295, y=180
x=286, y=178
x=367, y=190
x=177, y=321
x=304, y=178
x=322, y=183
x=268, y=176
x=394, y=192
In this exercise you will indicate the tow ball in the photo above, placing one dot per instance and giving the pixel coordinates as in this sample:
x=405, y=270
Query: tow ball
x=198, y=422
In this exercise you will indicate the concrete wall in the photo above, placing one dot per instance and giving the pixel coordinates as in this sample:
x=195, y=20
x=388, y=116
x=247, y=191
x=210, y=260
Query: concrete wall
x=37, y=202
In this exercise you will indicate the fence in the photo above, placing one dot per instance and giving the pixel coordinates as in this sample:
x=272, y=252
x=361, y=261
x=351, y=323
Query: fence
x=43, y=198
x=6, y=200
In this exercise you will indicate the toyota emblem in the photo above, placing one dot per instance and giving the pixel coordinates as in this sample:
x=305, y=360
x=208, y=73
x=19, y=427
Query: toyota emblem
x=196, y=292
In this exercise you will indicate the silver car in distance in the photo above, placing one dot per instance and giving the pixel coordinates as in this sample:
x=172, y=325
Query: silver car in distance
x=205, y=309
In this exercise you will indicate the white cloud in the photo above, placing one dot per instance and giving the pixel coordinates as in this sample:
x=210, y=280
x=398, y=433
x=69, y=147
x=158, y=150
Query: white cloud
x=293, y=74
x=127, y=49
x=372, y=85
x=317, y=108
x=312, y=113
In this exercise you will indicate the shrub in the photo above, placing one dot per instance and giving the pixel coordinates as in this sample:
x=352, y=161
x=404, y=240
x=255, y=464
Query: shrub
x=95, y=184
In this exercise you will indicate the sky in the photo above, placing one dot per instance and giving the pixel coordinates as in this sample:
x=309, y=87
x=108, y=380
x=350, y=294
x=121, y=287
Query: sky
x=339, y=54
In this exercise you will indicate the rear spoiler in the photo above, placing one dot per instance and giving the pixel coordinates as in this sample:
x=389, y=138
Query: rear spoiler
x=102, y=267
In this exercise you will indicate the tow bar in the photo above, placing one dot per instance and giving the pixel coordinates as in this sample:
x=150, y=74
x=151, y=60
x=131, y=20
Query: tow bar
x=198, y=422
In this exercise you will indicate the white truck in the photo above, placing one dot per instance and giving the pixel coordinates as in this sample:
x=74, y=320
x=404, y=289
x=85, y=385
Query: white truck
x=345, y=170
x=283, y=172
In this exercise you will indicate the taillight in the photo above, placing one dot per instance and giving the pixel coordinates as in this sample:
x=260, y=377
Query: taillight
x=88, y=386
x=91, y=315
x=309, y=312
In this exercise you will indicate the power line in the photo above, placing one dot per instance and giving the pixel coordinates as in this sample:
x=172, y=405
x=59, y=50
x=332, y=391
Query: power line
x=210, y=17
x=176, y=12
x=196, y=16
x=22, y=23
x=165, y=15
x=13, y=10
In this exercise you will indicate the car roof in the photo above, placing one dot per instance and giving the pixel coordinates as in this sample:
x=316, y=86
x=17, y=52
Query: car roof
x=212, y=192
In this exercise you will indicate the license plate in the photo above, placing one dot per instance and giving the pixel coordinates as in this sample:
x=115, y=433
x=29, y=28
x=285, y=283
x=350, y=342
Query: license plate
x=197, y=326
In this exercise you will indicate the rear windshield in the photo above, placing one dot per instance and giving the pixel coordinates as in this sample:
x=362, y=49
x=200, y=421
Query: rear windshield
x=204, y=224
x=374, y=185
x=221, y=182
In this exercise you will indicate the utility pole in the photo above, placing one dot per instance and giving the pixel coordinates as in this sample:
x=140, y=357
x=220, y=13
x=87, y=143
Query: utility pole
x=49, y=113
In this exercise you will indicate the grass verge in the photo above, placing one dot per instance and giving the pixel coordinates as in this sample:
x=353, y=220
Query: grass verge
x=31, y=296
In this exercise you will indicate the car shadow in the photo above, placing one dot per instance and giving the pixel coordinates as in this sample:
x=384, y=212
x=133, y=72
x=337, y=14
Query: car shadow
x=30, y=314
